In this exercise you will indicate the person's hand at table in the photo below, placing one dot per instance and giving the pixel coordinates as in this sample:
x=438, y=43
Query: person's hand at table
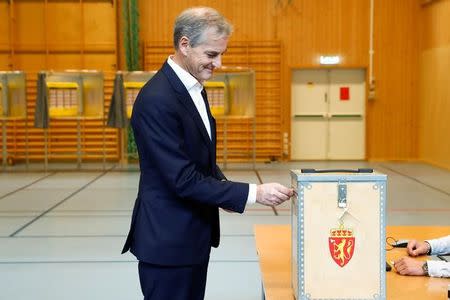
x=409, y=266
x=416, y=248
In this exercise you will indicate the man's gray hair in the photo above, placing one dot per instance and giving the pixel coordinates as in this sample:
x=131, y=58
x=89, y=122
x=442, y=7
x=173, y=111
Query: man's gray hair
x=193, y=22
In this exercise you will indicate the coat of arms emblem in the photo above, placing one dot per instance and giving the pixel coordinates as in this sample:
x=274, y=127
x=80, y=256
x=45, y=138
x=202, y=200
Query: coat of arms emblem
x=342, y=244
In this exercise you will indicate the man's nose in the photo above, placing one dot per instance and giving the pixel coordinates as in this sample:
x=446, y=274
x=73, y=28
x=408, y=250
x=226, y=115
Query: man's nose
x=217, y=61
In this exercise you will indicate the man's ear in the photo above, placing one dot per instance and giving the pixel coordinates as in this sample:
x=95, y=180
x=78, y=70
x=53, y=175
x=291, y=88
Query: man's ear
x=184, y=45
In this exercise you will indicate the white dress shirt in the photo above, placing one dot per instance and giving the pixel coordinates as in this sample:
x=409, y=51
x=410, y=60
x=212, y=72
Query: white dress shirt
x=194, y=88
x=438, y=247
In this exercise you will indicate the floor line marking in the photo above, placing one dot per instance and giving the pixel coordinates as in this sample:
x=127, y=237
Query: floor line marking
x=59, y=203
x=415, y=179
x=25, y=186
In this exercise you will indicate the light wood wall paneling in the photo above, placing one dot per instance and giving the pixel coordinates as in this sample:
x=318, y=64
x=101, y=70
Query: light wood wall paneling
x=434, y=125
x=6, y=36
x=392, y=115
x=38, y=30
x=313, y=28
x=252, y=19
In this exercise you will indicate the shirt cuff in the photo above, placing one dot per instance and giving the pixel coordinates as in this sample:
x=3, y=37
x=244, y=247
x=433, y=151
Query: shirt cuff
x=438, y=268
x=251, y=198
x=440, y=245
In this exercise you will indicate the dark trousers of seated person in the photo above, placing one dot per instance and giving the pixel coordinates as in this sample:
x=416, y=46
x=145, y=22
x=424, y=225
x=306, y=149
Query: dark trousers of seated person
x=173, y=282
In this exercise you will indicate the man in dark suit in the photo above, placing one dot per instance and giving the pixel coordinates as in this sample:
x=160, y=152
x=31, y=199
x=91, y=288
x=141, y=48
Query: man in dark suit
x=175, y=219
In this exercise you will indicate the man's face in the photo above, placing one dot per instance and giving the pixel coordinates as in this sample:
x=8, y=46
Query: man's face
x=201, y=60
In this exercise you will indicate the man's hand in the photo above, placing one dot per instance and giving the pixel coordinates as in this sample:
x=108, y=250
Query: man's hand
x=416, y=248
x=272, y=194
x=409, y=266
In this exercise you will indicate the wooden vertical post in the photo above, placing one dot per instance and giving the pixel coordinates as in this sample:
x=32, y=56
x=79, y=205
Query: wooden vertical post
x=12, y=18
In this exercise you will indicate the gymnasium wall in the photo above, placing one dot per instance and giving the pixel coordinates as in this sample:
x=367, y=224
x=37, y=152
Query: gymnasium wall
x=307, y=29
x=405, y=121
x=434, y=106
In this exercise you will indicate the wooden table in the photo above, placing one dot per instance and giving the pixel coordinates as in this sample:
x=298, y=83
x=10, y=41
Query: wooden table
x=273, y=244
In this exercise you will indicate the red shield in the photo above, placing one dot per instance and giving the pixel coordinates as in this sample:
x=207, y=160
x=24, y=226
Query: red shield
x=341, y=249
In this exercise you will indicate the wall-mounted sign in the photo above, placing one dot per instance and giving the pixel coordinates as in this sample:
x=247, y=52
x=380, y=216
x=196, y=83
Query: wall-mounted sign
x=344, y=93
x=329, y=59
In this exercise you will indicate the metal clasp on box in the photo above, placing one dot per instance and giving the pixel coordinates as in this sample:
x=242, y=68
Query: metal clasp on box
x=342, y=194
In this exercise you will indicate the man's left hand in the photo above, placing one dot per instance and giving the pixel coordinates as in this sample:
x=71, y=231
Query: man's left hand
x=409, y=266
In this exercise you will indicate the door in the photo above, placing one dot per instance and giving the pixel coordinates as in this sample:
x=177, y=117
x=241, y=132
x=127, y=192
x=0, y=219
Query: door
x=309, y=112
x=328, y=108
x=346, y=114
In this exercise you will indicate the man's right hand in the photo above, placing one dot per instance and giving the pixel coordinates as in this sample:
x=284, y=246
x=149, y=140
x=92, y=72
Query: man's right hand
x=272, y=194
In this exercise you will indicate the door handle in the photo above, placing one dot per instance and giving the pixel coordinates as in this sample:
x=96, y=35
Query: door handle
x=346, y=116
x=309, y=116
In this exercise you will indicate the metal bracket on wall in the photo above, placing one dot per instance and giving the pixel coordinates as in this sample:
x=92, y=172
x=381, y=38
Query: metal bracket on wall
x=342, y=194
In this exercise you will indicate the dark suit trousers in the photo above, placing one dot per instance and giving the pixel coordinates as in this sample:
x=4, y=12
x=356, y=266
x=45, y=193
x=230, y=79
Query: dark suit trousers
x=173, y=282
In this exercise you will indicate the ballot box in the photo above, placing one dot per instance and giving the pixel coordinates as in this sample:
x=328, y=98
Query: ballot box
x=133, y=81
x=217, y=97
x=338, y=234
x=13, y=104
x=13, y=117
x=75, y=94
x=231, y=92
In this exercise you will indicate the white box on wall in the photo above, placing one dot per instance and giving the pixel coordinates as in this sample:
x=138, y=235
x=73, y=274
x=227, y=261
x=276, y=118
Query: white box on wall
x=338, y=234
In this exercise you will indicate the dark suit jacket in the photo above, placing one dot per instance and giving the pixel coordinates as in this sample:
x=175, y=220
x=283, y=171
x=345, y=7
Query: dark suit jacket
x=175, y=218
